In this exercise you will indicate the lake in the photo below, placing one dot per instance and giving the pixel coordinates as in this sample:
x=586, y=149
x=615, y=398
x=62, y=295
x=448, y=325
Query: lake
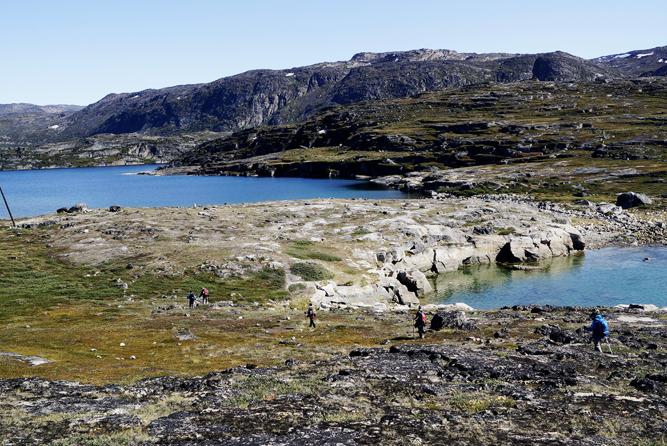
x=603, y=277
x=37, y=192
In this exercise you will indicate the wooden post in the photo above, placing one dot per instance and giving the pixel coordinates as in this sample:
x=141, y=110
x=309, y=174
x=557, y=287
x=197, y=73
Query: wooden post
x=9, y=211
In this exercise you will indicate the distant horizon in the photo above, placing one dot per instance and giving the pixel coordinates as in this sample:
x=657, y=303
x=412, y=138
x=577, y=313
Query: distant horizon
x=77, y=52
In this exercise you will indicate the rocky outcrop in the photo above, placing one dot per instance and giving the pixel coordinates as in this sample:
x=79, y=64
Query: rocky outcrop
x=403, y=270
x=562, y=67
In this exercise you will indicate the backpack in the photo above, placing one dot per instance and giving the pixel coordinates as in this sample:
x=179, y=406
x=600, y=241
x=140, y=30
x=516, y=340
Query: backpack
x=205, y=292
x=600, y=327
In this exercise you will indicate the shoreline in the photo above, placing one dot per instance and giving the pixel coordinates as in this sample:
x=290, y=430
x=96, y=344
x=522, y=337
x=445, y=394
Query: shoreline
x=360, y=252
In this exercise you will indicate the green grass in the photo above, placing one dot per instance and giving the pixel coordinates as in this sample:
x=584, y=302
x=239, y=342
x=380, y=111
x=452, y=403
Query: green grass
x=311, y=272
x=307, y=250
x=33, y=279
x=472, y=403
x=253, y=389
x=505, y=231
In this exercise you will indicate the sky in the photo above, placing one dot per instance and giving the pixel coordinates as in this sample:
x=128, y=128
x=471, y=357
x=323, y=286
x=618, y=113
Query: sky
x=76, y=51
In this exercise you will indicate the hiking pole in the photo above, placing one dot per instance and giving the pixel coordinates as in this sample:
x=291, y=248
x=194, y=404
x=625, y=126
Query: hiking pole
x=9, y=211
x=608, y=345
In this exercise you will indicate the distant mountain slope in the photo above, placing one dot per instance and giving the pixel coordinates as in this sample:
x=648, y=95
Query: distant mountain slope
x=21, y=108
x=638, y=62
x=281, y=96
x=27, y=124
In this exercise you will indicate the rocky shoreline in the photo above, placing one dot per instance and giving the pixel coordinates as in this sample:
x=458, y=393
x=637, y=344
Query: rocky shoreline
x=359, y=253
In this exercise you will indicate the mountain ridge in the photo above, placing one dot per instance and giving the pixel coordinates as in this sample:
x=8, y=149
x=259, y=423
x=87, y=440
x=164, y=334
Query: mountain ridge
x=286, y=96
x=262, y=96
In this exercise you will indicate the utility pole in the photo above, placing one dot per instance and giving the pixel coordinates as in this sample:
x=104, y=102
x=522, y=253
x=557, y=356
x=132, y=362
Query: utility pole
x=9, y=211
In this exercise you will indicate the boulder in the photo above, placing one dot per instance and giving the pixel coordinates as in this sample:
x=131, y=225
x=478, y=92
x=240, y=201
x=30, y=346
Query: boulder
x=415, y=281
x=628, y=200
x=516, y=250
x=558, y=334
x=451, y=319
x=79, y=207
x=399, y=292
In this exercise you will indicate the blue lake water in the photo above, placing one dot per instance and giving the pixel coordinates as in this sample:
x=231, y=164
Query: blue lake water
x=603, y=277
x=36, y=192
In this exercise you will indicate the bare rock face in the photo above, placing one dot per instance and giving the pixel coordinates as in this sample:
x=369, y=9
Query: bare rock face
x=628, y=200
x=552, y=242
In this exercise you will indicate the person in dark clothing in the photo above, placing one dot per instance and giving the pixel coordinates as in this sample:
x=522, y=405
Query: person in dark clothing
x=191, y=299
x=420, y=322
x=311, y=315
x=203, y=294
x=599, y=330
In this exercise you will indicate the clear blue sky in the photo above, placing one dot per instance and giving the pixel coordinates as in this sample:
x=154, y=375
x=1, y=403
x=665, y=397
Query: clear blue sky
x=71, y=51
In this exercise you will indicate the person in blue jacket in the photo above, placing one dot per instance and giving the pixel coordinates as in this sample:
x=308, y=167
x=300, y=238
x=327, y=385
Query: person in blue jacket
x=599, y=330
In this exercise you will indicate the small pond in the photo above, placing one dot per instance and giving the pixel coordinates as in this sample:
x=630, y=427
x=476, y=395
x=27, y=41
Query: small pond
x=603, y=277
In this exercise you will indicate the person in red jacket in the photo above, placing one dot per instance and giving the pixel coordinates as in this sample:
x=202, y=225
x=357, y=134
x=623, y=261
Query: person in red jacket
x=203, y=294
x=420, y=322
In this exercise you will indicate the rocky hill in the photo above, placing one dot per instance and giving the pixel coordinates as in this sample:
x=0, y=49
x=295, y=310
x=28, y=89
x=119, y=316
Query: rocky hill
x=650, y=62
x=472, y=125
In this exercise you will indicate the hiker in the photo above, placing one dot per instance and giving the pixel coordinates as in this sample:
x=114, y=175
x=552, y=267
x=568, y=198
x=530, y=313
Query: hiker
x=420, y=322
x=191, y=299
x=599, y=330
x=311, y=315
x=203, y=294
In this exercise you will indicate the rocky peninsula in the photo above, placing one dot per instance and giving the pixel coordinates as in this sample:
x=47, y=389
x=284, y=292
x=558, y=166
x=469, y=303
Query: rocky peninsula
x=107, y=351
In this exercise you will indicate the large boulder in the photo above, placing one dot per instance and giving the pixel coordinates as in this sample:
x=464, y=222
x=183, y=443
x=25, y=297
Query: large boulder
x=517, y=249
x=399, y=293
x=628, y=200
x=415, y=281
x=451, y=319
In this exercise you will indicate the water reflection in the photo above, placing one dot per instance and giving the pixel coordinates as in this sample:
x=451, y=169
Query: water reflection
x=603, y=277
x=482, y=278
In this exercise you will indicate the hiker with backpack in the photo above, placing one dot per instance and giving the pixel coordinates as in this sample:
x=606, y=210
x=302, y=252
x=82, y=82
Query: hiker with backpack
x=203, y=294
x=420, y=322
x=599, y=330
x=311, y=315
x=191, y=299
